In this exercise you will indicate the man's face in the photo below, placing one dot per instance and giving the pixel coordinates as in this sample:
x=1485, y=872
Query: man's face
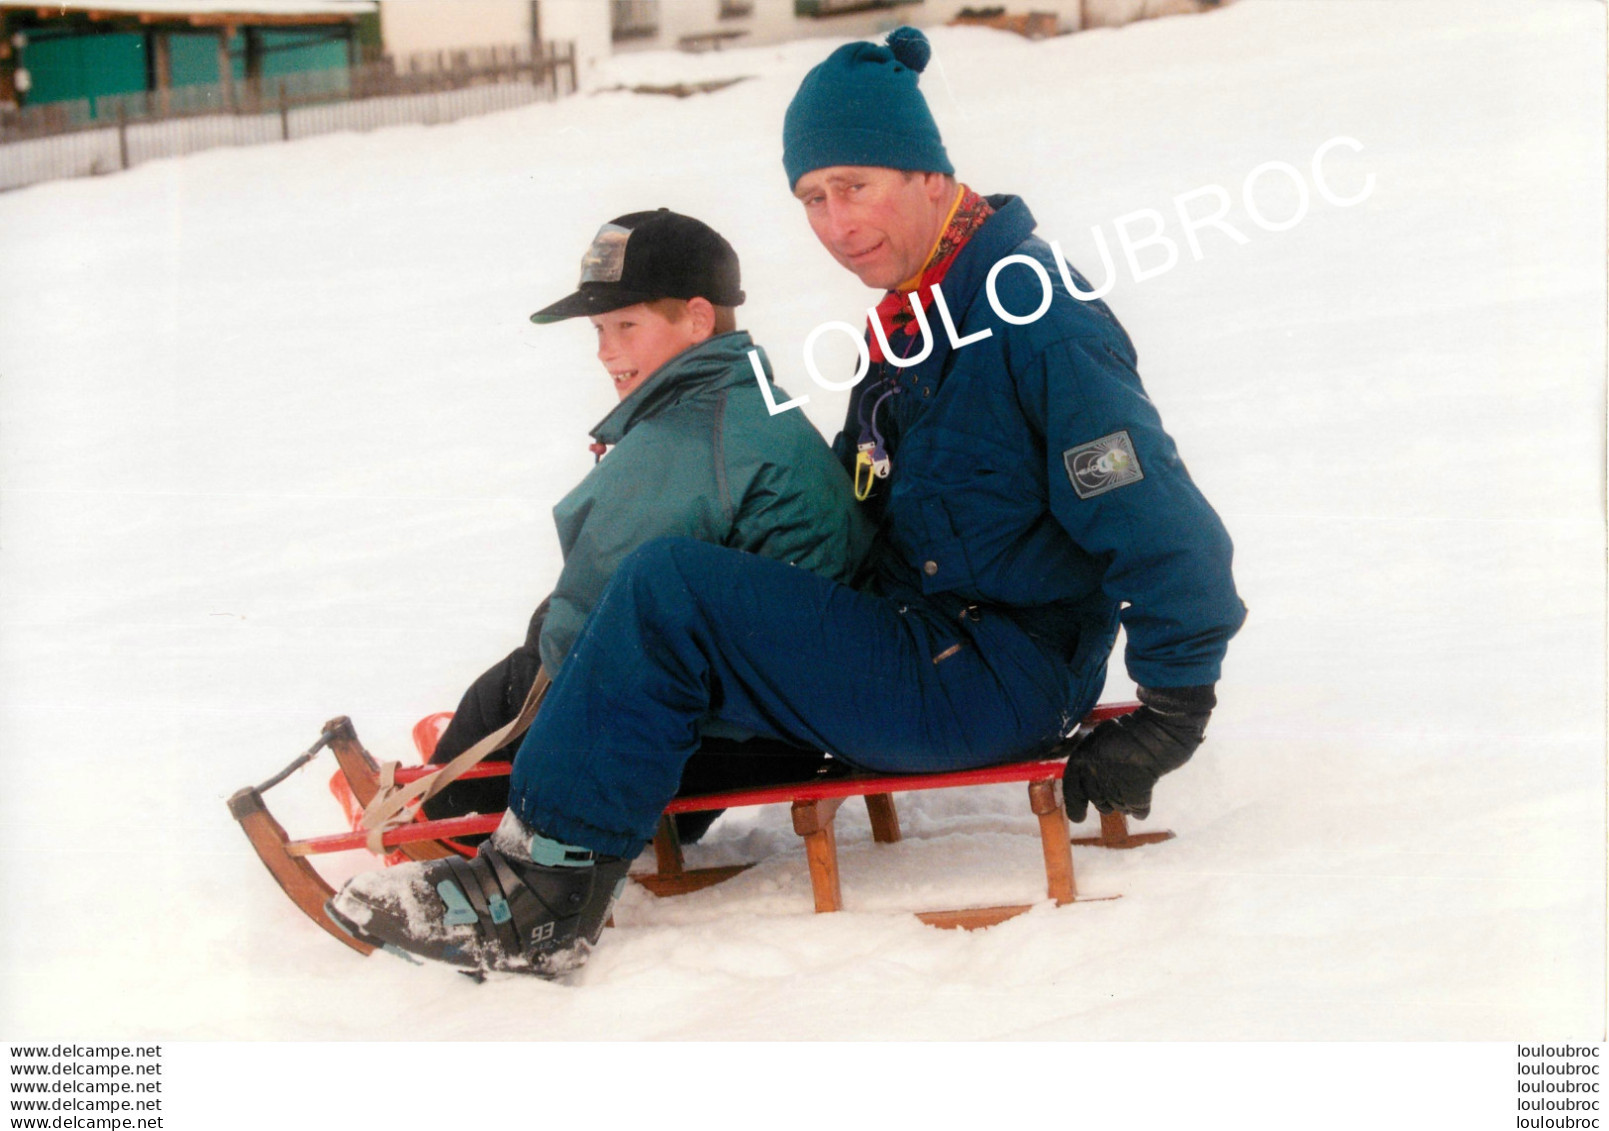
x=879, y=223
x=634, y=341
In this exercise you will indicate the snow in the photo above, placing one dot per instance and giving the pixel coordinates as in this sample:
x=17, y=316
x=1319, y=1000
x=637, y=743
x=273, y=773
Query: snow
x=279, y=445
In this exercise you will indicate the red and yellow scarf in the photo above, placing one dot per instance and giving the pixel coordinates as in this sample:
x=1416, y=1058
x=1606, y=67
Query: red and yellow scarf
x=966, y=216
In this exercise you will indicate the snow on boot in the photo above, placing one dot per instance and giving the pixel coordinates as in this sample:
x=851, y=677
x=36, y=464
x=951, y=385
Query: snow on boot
x=524, y=903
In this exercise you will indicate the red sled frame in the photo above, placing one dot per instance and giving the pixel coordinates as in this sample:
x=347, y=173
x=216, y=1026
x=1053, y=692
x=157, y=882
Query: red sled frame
x=814, y=806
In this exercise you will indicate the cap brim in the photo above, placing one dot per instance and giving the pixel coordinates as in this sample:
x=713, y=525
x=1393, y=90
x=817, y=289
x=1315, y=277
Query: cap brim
x=596, y=300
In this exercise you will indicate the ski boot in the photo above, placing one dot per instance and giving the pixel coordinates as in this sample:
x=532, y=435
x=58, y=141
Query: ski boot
x=524, y=903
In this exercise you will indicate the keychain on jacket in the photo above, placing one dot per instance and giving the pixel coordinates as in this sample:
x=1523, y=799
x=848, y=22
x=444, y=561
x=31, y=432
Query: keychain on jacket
x=872, y=461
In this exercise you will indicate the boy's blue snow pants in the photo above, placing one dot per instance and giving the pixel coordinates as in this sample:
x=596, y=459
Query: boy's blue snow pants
x=687, y=632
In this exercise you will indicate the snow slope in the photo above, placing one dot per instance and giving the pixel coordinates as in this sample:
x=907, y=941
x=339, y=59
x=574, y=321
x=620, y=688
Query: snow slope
x=277, y=443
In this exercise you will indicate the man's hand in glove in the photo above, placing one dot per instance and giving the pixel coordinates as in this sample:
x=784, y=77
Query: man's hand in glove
x=1119, y=761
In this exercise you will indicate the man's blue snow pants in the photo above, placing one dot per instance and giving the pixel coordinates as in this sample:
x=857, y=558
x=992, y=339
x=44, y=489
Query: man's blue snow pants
x=687, y=632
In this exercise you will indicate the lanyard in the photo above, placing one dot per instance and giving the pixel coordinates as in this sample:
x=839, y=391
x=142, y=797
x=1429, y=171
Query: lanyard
x=872, y=461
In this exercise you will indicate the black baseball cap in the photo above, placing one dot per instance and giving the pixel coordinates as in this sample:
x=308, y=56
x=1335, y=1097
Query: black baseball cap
x=644, y=256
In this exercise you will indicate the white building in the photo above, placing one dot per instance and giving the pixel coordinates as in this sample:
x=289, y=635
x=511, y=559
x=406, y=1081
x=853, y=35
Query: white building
x=599, y=28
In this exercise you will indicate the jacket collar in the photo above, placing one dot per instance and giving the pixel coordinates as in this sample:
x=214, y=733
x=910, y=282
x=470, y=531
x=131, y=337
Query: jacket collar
x=716, y=363
x=998, y=237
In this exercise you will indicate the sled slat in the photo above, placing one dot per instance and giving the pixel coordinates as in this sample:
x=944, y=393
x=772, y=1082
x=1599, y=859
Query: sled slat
x=689, y=880
x=972, y=918
x=406, y=774
x=399, y=837
x=362, y=775
x=306, y=888
x=861, y=785
x=978, y=918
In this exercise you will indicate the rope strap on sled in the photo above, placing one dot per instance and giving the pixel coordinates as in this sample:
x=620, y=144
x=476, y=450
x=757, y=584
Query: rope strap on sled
x=396, y=805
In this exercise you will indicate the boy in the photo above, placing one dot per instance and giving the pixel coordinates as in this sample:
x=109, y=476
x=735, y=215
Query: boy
x=695, y=453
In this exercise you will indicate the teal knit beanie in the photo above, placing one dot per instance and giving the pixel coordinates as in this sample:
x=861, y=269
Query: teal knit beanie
x=861, y=107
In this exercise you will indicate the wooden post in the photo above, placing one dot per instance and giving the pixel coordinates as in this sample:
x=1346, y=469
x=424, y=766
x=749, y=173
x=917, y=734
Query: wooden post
x=813, y=821
x=668, y=848
x=885, y=818
x=1115, y=834
x=821, y=852
x=254, y=53
x=122, y=131
x=671, y=876
x=252, y=96
x=536, y=43
x=1054, y=839
x=226, y=68
x=8, y=60
x=162, y=69
x=1115, y=829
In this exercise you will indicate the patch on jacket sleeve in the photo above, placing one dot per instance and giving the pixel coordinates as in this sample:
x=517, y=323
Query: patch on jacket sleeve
x=1103, y=465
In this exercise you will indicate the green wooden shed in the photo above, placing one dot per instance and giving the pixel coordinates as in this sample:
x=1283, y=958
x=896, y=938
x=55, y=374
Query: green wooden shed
x=81, y=52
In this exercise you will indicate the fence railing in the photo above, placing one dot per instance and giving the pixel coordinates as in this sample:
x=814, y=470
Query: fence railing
x=71, y=139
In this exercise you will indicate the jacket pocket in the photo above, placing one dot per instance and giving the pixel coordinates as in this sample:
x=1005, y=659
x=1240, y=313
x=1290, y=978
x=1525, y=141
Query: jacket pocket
x=942, y=556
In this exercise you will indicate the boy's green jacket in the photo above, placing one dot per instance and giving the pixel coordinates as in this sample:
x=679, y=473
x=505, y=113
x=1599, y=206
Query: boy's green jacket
x=697, y=454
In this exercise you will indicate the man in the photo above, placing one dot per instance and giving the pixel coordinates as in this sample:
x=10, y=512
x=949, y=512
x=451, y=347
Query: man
x=1029, y=502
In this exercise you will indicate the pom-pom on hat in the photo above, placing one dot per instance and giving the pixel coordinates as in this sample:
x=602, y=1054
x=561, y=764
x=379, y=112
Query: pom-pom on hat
x=860, y=106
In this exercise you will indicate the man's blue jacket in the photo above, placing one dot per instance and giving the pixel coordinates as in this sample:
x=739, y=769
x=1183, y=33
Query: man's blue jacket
x=1031, y=477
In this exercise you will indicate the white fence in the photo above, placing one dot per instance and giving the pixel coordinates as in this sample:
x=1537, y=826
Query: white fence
x=125, y=141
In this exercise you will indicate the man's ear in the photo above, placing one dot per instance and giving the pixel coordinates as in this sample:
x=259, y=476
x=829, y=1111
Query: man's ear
x=702, y=312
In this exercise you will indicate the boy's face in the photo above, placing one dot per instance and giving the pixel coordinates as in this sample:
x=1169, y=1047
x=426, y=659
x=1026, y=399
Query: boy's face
x=634, y=341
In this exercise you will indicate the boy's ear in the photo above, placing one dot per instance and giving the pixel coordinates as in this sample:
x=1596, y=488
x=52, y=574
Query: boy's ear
x=702, y=312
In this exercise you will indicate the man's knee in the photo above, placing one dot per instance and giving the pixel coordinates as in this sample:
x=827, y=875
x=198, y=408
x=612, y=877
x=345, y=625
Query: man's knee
x=665, y=557
x=666, y=578
x=647, y=599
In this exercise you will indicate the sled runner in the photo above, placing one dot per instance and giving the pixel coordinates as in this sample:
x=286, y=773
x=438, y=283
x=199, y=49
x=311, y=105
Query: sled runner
x=814, y=806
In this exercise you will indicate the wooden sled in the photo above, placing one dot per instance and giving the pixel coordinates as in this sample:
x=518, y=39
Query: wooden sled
x=814, y=806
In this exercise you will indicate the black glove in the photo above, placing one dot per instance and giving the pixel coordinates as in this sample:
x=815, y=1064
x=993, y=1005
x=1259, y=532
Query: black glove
x=1118, y=762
